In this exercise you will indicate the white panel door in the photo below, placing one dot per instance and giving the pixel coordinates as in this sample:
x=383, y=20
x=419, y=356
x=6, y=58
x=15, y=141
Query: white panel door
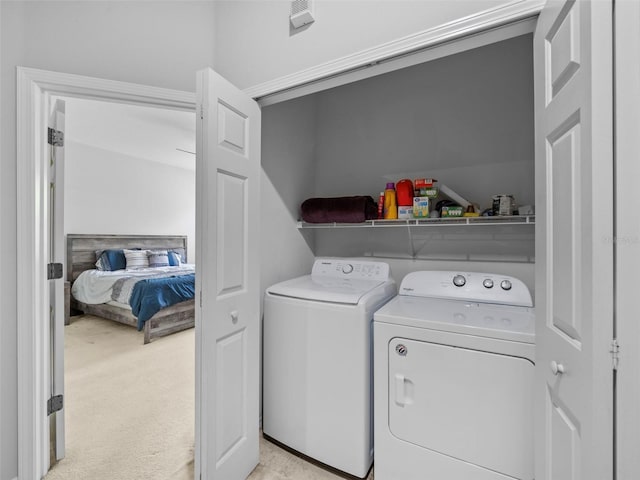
x=55, y=146
x=574, y=244
x=228, y=276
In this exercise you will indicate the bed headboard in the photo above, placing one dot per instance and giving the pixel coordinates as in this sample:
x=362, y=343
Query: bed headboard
x=81, y=249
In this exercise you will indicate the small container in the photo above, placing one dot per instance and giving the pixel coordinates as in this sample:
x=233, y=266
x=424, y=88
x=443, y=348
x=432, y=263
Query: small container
x=390, y=204
x=425, y=187
x=503, y=204
x=405, y=212
x=404, y=192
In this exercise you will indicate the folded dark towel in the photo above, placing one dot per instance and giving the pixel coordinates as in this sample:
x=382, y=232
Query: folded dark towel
x=355, y=209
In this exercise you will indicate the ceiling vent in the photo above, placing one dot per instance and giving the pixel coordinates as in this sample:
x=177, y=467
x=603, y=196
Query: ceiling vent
x=301, y=14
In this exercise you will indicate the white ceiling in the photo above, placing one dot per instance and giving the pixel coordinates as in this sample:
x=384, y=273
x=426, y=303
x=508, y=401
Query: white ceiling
x=144, y=132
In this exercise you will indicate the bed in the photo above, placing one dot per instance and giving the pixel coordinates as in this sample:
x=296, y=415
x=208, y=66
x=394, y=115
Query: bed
x=81, y=257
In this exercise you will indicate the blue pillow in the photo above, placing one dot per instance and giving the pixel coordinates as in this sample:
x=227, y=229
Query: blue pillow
x=110, y=260
x=174, y=259
x=181, y=254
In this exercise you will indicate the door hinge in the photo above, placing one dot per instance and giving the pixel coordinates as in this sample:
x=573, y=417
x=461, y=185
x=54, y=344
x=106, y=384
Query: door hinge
x=200, y=298
x=615, y=353
x=54, y=404
x=54, y=271
x=55, y=138
x=201, y=107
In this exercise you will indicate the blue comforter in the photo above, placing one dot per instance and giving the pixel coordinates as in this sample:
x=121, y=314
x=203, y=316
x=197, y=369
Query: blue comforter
x=151, y=295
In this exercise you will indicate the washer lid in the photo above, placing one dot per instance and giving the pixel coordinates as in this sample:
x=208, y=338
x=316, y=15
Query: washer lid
x=503, y=322
x=325, y=289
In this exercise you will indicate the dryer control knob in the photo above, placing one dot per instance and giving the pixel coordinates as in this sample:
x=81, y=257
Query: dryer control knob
x=459, y=281
x=505, y=284
x=488, y=283
x=348, y=268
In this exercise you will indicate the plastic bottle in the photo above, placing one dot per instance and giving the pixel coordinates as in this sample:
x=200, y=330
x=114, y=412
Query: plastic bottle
x=390, y=204
x=381, y=205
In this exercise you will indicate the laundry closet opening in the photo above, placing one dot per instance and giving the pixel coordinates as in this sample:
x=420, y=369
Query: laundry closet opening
x=465, y=119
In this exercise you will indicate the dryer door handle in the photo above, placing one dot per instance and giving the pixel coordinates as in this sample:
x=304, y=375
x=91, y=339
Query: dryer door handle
x=404, y=390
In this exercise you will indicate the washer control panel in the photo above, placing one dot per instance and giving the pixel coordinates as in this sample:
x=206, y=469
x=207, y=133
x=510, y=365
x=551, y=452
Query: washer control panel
x=467, y=286
x=350, y=268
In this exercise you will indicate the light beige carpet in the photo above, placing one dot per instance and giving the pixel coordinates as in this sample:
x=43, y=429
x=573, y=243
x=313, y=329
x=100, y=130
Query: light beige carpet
x=130, y=409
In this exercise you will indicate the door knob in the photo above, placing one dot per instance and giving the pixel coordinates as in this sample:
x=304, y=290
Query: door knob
x=234, y=317
x=557, y=368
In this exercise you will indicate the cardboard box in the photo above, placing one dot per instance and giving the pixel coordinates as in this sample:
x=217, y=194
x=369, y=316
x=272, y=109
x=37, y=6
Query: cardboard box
x=448, y=212
x=405, y=212
x=421, y=207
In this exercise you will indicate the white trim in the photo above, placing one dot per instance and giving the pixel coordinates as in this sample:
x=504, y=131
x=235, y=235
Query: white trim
x=453, y=47
x=2, y=220
x=627, y=234
x=33, y=90
x=510, y=12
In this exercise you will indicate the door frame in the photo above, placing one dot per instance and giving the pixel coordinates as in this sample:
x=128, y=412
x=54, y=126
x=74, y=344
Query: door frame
x=627, y=236
x=34, y=88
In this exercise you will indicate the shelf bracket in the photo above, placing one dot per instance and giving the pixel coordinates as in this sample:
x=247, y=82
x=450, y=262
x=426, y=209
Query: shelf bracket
x=412, y=247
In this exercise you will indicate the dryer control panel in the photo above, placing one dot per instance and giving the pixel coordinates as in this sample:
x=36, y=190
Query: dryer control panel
x=350, y=268
x=467, y=286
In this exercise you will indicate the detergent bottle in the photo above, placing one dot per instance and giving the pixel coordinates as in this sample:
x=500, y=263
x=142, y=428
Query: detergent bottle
x=390, y=204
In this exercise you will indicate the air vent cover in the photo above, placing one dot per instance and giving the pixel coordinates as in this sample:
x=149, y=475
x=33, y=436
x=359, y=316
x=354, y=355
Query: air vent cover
x=301, y=13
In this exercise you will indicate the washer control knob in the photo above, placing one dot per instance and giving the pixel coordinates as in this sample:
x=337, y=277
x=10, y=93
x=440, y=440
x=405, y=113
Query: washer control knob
x=459, y=280
x=487, y=283
x=505, y=284
x=348, y=268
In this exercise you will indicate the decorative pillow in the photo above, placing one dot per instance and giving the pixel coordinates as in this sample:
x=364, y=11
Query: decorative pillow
x=136, y=259
x=110, y=260
x=174, y=259
x=181, y=253
x=158, y=258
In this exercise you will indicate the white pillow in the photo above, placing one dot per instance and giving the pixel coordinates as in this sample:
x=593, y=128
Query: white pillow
x=136, y=259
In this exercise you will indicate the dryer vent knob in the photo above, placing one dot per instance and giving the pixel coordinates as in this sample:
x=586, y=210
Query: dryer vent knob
x=459, y=281
x=488, y=283
x=505, y=284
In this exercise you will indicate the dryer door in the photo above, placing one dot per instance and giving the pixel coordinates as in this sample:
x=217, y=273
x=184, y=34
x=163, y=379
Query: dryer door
x=471, y=405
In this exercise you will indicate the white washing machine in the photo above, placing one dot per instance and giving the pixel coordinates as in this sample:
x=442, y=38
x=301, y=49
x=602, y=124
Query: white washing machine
x=317, y=360
x=453, y=379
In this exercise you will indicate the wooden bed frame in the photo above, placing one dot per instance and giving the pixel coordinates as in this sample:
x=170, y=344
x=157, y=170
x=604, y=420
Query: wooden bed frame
x=81, y=256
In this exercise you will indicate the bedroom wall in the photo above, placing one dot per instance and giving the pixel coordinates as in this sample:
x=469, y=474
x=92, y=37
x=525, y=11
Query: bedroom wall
x=154, y=43
x=150, y=199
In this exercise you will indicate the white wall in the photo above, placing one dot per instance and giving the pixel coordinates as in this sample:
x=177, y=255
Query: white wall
x=110, y=193
x=466, y=120
x=288, y=162
x=341, y=28
x=154, y=43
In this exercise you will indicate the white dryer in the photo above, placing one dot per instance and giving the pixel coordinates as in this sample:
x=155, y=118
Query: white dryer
x=453, y=370
x=317, y=352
